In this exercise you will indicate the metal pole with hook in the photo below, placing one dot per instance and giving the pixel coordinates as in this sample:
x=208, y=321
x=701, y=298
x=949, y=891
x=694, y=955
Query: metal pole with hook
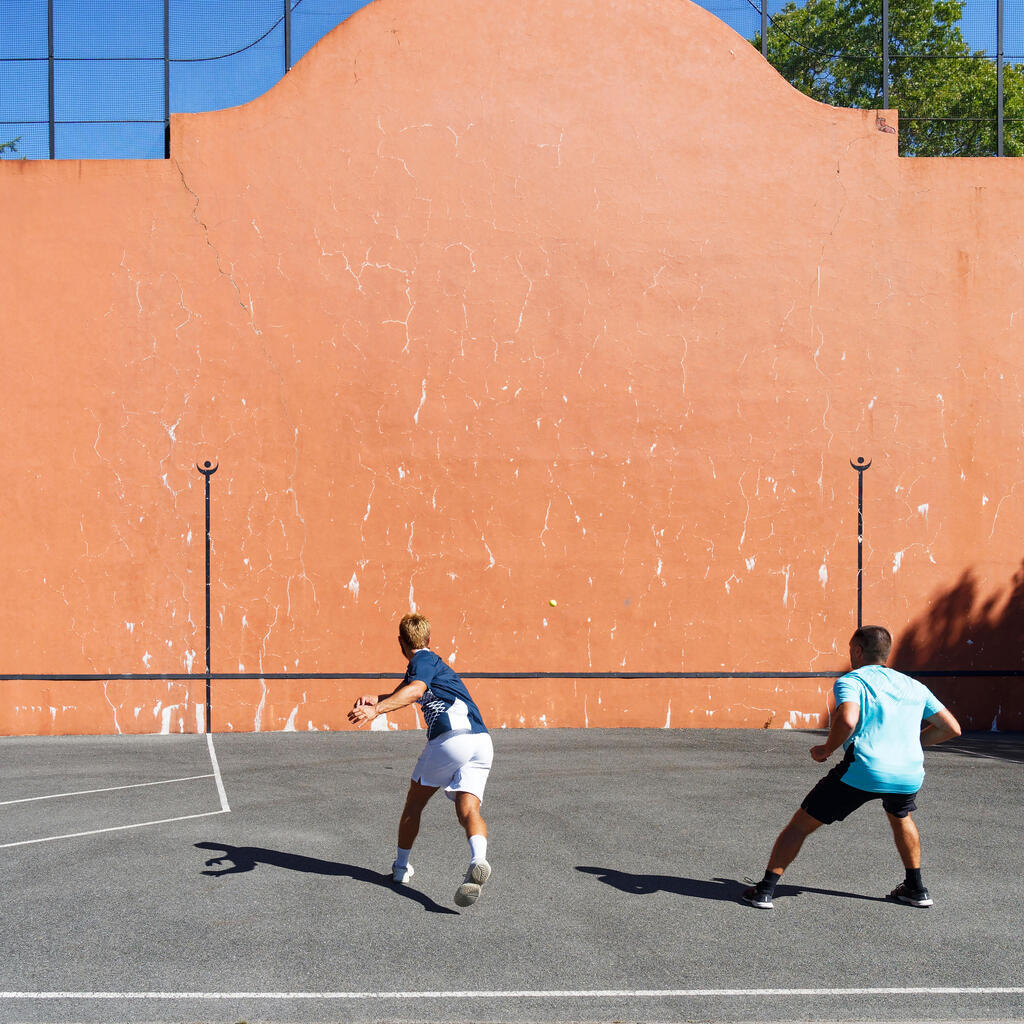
x=208, y=469
x=861, y=467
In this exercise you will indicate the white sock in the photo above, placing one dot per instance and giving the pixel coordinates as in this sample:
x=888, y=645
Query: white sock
x=477, y=848
x=402, y=860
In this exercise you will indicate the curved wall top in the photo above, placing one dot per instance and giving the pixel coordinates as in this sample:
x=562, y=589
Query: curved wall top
x=488, y=305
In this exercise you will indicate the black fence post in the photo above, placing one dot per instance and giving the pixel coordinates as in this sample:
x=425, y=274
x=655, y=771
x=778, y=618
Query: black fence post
x=764, y=29
x=885, y=54
x=287, y=36
x=50, y=89
x=208, y=469
x=999, y=78
x=862, y=467
x=167, y=79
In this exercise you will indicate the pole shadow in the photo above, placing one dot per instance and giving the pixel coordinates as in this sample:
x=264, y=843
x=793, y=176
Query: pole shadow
x=246, y=858
x=727, y=889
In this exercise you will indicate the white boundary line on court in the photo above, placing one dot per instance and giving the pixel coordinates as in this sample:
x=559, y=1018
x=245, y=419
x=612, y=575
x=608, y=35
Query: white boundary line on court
x=224, y=809
x=526, y=994
x=113, y=828
x=108, y=789
x=216, y=774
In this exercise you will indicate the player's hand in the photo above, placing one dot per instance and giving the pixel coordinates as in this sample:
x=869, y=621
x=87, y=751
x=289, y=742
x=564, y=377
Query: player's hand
x=361, y=713
x=820, y=753
x=367, y=699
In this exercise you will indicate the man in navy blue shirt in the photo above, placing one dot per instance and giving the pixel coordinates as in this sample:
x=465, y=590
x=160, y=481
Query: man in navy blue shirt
x=457, y=756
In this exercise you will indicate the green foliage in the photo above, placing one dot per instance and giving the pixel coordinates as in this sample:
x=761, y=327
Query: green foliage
x=10, y=147
x=945, y=93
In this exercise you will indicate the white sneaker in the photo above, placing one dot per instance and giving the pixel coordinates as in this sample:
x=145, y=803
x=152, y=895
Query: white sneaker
x=469, y=892
x=401, y=875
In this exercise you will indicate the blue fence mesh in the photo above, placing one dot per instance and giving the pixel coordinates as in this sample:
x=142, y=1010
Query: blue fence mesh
x=98, y=78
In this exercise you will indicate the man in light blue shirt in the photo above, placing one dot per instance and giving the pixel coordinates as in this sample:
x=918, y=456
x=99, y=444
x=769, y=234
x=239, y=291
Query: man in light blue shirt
x=878, y=723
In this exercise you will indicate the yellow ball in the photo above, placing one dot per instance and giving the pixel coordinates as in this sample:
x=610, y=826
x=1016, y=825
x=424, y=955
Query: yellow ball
x=553, y=603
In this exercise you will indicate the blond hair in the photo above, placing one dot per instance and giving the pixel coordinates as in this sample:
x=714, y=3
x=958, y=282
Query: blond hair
x=415, y=631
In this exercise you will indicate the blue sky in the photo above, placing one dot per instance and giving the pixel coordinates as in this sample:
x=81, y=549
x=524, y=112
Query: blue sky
x=127, y=85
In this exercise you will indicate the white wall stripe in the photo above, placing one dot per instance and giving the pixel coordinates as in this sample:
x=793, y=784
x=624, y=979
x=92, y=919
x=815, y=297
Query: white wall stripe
x=681, y=993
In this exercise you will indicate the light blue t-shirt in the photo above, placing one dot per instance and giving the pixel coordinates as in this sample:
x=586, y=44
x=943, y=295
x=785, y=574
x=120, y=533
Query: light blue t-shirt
x=887, y=755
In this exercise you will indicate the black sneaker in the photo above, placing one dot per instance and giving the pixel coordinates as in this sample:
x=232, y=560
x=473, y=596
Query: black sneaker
x=912, y=897
x=758, y=898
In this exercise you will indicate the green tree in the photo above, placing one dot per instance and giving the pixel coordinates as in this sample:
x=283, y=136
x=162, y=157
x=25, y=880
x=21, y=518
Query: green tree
x=945, y=92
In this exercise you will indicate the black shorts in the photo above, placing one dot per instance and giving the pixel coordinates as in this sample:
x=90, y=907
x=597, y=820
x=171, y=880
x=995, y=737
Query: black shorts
x=832, y=799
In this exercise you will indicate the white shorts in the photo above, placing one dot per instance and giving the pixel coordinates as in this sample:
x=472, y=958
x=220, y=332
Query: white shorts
x=459, y=761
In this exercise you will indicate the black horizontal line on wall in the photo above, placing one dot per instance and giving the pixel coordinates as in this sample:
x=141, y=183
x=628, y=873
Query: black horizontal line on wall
x=95, y=677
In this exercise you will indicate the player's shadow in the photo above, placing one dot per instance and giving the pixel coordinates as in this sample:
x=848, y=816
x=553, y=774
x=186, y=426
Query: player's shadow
x=967, y=630
x=246, y=858
x=728, y=889
x=1003, y=746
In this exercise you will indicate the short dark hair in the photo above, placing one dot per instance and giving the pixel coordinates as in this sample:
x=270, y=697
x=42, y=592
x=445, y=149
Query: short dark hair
x=875, y=641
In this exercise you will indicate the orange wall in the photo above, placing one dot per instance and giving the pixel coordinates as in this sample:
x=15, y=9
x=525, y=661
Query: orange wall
x=481, y=307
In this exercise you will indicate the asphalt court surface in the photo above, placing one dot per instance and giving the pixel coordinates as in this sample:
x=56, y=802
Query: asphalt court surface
x=618, y=858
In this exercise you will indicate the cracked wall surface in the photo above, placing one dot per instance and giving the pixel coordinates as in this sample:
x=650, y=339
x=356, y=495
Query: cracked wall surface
x=598, y=312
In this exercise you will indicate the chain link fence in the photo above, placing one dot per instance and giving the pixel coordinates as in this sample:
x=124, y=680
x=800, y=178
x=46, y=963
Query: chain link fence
x=89, y=78
x=94, y=79
x=953, y=68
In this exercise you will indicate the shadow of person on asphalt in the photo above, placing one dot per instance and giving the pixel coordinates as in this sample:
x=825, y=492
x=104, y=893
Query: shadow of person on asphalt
x=1003, y=746
x=728, y=889
x=245, y=858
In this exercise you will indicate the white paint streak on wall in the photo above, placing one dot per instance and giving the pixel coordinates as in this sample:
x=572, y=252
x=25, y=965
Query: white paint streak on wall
x=423, y=398
x=258, y=724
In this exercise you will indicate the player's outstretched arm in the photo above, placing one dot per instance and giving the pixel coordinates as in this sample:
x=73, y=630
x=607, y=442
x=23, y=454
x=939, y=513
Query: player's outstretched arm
x=938, y=728
x=842, y=727
x=401, y=697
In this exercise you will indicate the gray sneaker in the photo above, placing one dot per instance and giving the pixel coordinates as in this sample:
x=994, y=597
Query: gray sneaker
x=913, y=898
x=469, y=892
x=758, y=898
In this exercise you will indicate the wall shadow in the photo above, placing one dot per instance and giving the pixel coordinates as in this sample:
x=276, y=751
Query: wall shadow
x=246, y=858
x=964, y=630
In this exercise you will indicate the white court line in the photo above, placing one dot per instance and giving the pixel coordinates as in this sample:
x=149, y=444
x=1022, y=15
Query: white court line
x=525, y=994
x=224, y=809
x=216, y=772
x=109, y=789
x=114, y=828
